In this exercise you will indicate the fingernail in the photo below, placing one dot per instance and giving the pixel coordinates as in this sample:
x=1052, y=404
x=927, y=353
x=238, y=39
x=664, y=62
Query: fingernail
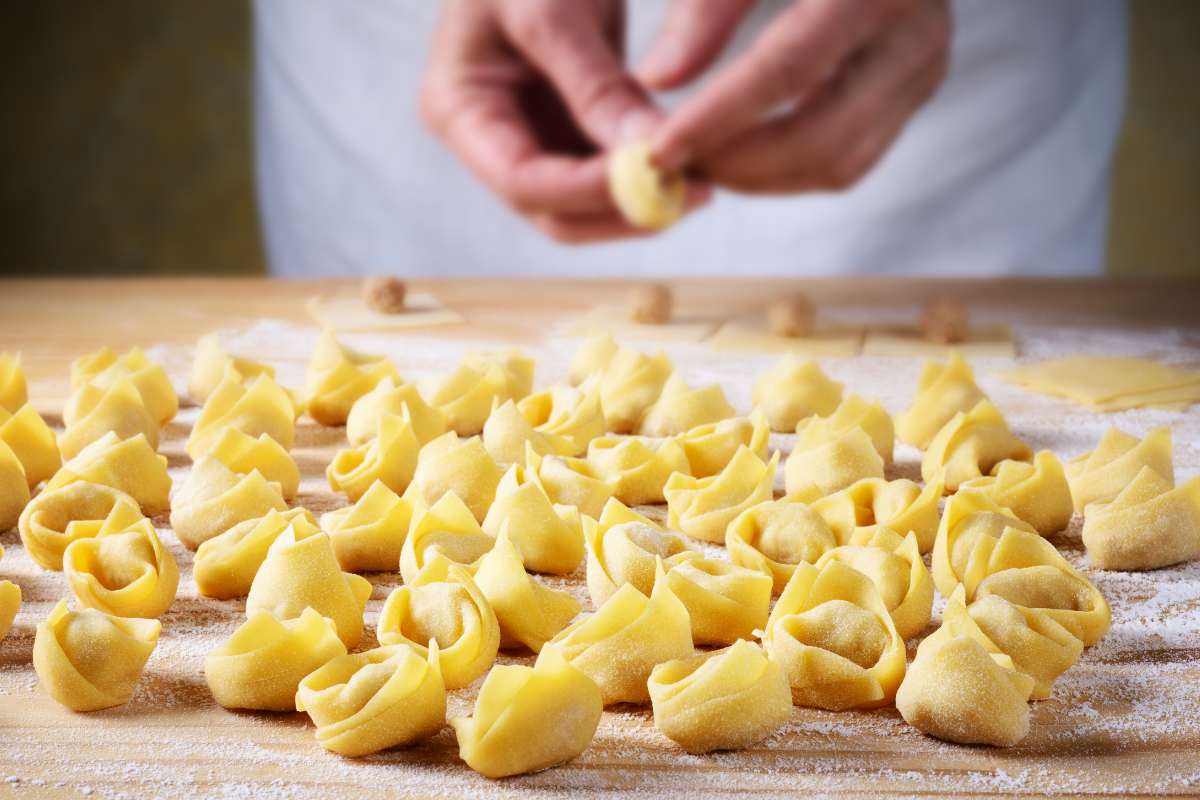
x=638, y=125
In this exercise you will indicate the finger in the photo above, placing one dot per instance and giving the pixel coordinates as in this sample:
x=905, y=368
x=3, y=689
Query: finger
x=585, y=229
x=693, y=34
x=573, y=51
x=799, y=52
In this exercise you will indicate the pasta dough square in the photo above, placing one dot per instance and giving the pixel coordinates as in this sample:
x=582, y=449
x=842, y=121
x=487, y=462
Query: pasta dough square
x=350, y=314
x=984, y=341
x=615, y=320
x=1108, y=383
x=830, y=340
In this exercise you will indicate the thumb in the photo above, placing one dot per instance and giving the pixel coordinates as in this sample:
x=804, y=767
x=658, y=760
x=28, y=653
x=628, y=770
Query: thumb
x=571, y=48
x=692, y=36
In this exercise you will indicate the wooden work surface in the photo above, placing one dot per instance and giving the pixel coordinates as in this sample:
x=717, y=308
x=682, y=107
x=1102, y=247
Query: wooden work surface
x=1123, y=722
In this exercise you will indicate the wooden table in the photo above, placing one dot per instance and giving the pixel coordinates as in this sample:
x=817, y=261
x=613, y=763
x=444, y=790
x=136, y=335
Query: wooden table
x=1121, y=723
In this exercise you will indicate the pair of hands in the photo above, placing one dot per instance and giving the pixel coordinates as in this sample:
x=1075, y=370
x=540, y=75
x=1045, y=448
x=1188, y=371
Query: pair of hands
x=531, y=94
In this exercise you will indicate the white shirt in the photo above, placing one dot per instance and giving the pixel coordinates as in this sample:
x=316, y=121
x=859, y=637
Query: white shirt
x=1005, y=171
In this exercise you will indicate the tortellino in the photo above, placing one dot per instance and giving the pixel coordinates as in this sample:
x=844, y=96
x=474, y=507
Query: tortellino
x=518, y=369
x=571, y=481
x=703, y=507
x=724, y=601
x=57, y=517
x=1037, y=493
x=967, y=517
x=118, y=409
x=723, y=700
x=969, y=445
x=900, y=505
x=793, y=390
x=955, y=690
x=225, y=565
x=447, y=528
x=14, y=392
x=390, y=458
x=369, y=535
x=942, y=391
x=1099, y=476
x=529, y=613
x=571, y=414
x=211, y=362
x=300, y=572
x=449, y=465
x=32, y=442
x=1148, y=525
x=639, y=467
x=549, y=537
x=466, y=396
x=88, y=660
x=1037, y=645
x=128, y=465
x=646, y=196
x=625, y=638
x=709, y=448
x=774, y=537
x=244, y=453
x=832, y=463
x=516, y=706
x=624, y=547
x=507, y=434
x=393, y=397
x=214, y=498
x=835, y=639
x=366, y=702
x=14, y=487
x=855, y=412
x=679, y=408
x=630, y=384
x=259, y=407
x=103, y=368
x=123, y=570
x=894, y=565
x=592, y=358
x=443, y=605
x=261, y=665
x=337, y=376
x=10, y=603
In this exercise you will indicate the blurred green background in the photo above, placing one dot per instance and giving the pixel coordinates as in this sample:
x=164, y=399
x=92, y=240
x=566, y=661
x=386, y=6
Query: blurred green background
x=129, y=146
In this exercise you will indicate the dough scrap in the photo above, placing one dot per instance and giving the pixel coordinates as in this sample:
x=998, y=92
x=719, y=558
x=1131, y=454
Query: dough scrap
x=351, y=314
x=984, y=341
x=827, y=340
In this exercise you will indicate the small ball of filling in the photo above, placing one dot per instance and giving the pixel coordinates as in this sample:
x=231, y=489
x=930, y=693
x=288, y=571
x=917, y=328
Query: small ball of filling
x=944, y=322
x=650, y=304
x=384, y=294
x=791, y=316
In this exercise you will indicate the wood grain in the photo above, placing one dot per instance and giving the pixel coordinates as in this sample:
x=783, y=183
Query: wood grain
x=1122, y=723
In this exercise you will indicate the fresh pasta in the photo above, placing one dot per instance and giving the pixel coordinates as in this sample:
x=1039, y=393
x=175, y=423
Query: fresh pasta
x=390, y=458
x=58, y=517
x=1150, y=524
x=679, y=408
x=14, y=391
x=369, y=535
x=773, y=537
x=391, y=396
x=900, y=505
x=592, y=358
x=548, y=536
x=638, y=467
x=703, y=507
x=831, y=464
x=117, y=408
x=943, y=390
x=225, y=565
x=969, y=446
x=124, y=570
x=244, y=453
x=210, y=363
x=104, y=367
x=629, y=385
x=794, y=390
x=725, y=602
x=855, y=412
x=507, y=434
x=709, y=448
x=573, y=415
x=128, y=465
x=571, y=481
x=254, y=408
x=624, y=547
x=646, y=196
x=14, y=488
x=447, y=528
x=1036, y=492
x=450, y=465
x=1100, y=475
x=214, y=498
x=968, y=516
x=337, y=376
x=32, y=442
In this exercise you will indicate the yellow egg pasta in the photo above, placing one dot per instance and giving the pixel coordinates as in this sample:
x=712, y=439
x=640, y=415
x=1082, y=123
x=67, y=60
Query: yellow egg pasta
x=128, y=465
x=210, y=363
x=337, y=376
x=725, y=602
x=793, y=390
x=58, y=517
x=592, y=358
x=507, y=433
x=447, y=528
x=32, y=442
x=14, y=488
x=894, y=565
x=10, y=604
x=244, y=453
x=629, y=385
x=104, y=368
x=450, y=465
x=390, y=458
x=1036, y=492
x=117, y=408
x=646, y=196
x=969, y=446
x=623, y=547
x=571, y=414
x=703, y=507
x=773, y=537
x=225, y=565
x=369, y=535
x=833, y=463
x=571, y=481
x=639, y=467
x=1150, y=524
x=679, y=408
x=855, y=412
x=549, y=537
x=900, y=505
x=214, y=498
x=709, y=448
x=943, y=390
x=391, y=396
x=254, y=408
x=124, y=570
x=14, y=392
x=1100, y=475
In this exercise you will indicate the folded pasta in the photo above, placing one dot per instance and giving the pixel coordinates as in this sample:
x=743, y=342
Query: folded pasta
x=624, y=547
x=450, y=465
x=571, y=481
x=124, y=570
x=369, y=535
x=14, y=488
x=446, y=528
x=32, y=442
x=1150, y=524
x=391, y=396
x=466, y=396
x=1099, y=476
x=88, y=660
x=794, y=390
x=58, y=517
x=725, y=602
x=679, y=408
x=210, y=363
x=969, y=446
x=722, y=700
x=709, y=448
x=128, y=465
x=103, y=368
x=855, y=412
x=337, y=376
x=625, y=638
x=943, y=390
x=507, y=433
x=261, y=665
x=225, y=565
x=894, y=565
x=773, y=537
x=571, y=414
x=529, y=614
x=639, y=467
x=835, y=639
x=630, y=384
x=592, y=358
x=117, y=408
x=549, y=537
x=833, y=463
x=366, y=702
x=443, y=605
x=301, y=572
x=1037, y=493
x=516, y=705
x=10, y=604
x=389, y=458
x=703, y=507
x=214, y=498
x=900, y=505
x=14, y=391
x=254, y=408
x=244, y=453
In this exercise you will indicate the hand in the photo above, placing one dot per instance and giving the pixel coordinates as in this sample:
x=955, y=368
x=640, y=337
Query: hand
x=529, y=93
x=812, y=105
